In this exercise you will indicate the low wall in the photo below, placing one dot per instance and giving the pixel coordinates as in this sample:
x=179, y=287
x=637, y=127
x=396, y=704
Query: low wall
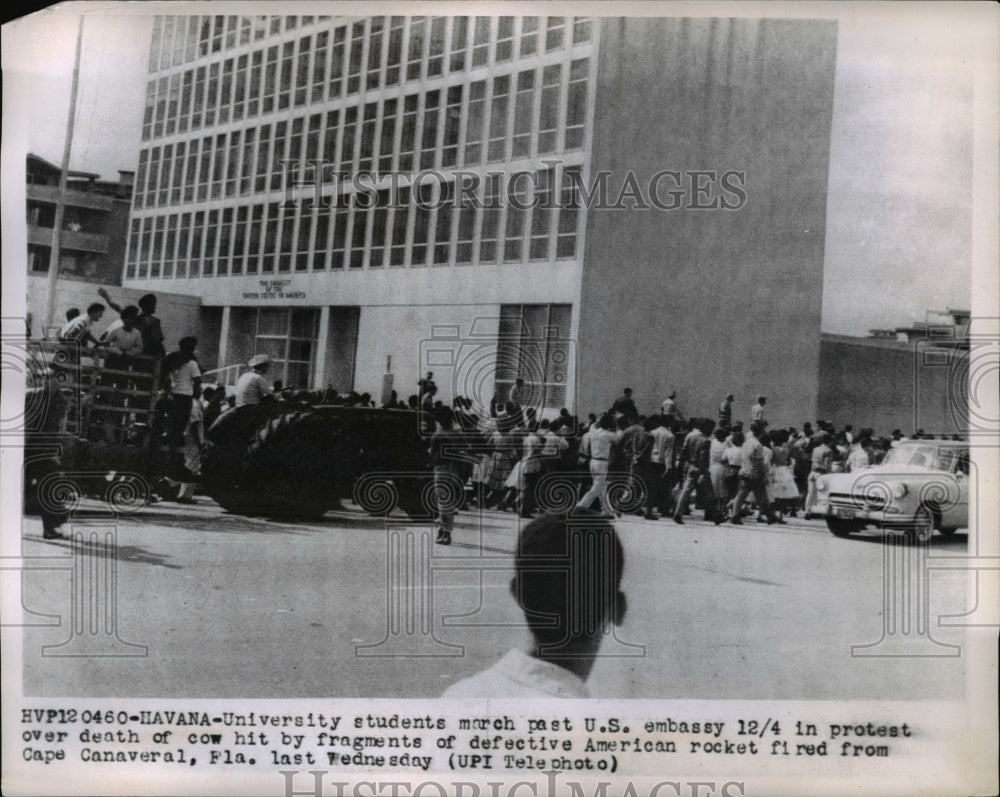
x=179, y=315
x=890, y=385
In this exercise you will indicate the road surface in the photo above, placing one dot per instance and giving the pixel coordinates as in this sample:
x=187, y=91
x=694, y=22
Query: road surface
x=197, y=602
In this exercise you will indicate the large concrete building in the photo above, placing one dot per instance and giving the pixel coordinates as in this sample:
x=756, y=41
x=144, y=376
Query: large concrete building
x=650, y=202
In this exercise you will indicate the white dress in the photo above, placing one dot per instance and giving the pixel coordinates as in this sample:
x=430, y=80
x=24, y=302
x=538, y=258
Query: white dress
x=781, y=485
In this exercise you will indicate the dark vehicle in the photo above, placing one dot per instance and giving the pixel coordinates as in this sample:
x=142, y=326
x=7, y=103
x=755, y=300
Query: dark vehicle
x=279, y=459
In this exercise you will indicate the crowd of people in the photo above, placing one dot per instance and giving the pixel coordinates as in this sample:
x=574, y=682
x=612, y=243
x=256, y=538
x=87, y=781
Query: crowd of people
x=662, y=465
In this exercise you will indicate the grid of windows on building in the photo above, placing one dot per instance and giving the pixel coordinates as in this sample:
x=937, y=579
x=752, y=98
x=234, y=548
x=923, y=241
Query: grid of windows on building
x=370, y=98
x=497, y=218
x=534, y=345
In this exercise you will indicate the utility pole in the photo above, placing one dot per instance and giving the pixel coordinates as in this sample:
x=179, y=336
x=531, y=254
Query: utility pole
x=50, y=286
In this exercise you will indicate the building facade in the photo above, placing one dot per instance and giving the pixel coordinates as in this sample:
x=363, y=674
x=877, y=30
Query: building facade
x=95, y=222
x=581, y=203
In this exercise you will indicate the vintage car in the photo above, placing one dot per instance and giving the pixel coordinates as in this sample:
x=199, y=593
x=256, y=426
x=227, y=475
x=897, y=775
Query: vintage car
x=922, y=485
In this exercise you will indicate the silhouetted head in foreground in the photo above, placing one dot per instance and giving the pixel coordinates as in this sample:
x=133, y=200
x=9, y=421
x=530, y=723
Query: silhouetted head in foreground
x=567, y=579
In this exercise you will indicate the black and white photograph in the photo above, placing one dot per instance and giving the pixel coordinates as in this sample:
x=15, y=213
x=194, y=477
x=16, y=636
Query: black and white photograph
x=501, y=398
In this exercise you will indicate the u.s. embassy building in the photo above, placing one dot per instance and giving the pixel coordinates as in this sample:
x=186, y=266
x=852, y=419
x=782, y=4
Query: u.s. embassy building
x=586, y=203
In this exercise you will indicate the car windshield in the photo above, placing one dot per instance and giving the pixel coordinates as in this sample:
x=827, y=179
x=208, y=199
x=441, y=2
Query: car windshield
x=923, y=456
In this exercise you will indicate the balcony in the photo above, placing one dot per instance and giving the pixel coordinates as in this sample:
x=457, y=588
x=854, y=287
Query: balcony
x=78, y=241
x=75, y=199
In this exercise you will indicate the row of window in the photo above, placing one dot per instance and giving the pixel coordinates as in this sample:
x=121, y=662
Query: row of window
x=326, y=65
x=499, y=219
x=180, y=39
x=535, y=112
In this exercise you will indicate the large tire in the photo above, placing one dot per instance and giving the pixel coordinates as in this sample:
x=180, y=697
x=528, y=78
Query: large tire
x=299, y=465
x=416, y=499
x=221, y=473
x=840, y=527
x=223, y=467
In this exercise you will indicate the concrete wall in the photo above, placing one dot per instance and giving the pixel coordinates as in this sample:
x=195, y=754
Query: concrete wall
x=179, y=315
x=209, y=333
x=457, y=343
x=888, y=385
x=709, y=301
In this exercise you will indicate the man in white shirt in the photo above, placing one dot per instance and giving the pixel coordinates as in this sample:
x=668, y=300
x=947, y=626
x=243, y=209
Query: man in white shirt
x=253, y=387
x=670, y=409
x=564, y=571
x=661, y=458
x=599, y=449
x=80, y=328
x=124, y=339
x=753, y=476
x=757, y=410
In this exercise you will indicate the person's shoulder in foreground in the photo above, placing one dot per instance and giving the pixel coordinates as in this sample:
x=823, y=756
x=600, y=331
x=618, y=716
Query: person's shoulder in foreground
x=568, y=569
x=519, y=674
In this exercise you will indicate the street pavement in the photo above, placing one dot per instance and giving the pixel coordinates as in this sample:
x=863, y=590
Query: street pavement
x=198, y=602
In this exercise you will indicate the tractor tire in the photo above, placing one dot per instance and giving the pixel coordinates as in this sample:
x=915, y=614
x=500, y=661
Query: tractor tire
x=223, y=467
x=416, y=499
x=299, y=465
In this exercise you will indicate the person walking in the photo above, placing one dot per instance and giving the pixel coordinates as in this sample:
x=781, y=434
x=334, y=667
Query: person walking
x=695, y=462
x=753, y=475
x=446, y=460
x=717, y=471
x=600, y=446
x=531, y=469
x=822, y=462
x=661, y=458
x=783, y=490
x=502, y=457
x=733, y=460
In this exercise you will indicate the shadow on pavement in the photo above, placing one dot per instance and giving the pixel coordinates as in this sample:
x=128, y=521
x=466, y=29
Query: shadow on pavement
x=124, y=553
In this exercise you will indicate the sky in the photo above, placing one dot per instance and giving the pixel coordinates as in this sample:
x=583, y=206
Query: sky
x=900, y=206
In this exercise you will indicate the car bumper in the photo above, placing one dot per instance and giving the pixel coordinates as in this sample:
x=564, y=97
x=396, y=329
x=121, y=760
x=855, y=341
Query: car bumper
x=875, y=517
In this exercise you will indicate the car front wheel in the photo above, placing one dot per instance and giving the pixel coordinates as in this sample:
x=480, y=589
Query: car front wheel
x=921, y=528
x=843, y=528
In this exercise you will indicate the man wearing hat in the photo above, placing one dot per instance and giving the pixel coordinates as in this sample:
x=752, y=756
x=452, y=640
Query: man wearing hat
x=253, y=387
